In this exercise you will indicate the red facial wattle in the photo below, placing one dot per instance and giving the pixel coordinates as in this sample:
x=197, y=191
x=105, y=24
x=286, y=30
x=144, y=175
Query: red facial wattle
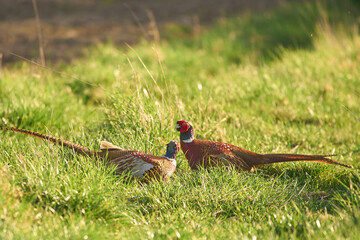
x=184, y=127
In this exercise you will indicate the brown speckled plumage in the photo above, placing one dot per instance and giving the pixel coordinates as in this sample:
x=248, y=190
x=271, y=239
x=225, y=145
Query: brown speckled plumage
x=147, y=166
x=141, y=165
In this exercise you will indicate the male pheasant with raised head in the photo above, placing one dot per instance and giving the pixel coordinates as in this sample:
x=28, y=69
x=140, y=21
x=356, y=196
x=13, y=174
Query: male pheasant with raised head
x=204, y=153
x=140, y=165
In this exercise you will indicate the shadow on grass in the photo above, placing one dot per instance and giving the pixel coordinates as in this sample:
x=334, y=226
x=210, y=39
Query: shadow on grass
x=321, y=187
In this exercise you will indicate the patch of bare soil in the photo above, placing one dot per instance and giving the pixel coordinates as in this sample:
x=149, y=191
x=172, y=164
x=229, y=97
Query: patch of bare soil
x=70, y=25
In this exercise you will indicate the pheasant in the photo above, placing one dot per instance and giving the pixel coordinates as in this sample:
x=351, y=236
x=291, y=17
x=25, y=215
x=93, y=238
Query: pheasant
x=140, y=165
x=204, y=153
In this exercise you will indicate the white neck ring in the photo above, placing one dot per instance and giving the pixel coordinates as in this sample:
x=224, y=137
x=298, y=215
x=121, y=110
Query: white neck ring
x=188, y=140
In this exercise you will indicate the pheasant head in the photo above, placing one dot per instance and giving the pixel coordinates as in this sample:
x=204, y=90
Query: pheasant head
x=172, y=148
x=186, y=131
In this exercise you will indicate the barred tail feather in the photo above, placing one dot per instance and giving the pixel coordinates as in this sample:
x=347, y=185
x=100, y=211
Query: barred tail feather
x=77, y=148
x=275, y=158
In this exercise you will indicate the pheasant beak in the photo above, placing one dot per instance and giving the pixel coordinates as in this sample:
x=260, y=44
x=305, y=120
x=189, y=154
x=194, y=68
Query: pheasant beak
x=177, y=127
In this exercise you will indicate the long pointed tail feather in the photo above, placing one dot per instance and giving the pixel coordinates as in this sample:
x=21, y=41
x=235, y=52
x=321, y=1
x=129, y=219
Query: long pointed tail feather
x=282, y=157
x=77, y=148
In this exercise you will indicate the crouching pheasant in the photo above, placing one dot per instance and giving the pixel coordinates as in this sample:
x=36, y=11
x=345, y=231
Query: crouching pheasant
x=140, y=165
x=204, y=153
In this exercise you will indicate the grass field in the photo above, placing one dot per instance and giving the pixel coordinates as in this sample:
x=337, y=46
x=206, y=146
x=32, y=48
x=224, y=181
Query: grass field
x=281, y=81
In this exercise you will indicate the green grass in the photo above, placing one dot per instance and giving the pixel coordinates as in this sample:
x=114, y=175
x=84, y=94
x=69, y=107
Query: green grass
x=282, y=81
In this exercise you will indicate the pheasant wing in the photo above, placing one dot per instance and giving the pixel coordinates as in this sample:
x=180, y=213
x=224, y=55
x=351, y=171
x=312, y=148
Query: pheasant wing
x=104, y=145
x=229, y=159
x=137, y=163
x=217, y=153
x=111, y=151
